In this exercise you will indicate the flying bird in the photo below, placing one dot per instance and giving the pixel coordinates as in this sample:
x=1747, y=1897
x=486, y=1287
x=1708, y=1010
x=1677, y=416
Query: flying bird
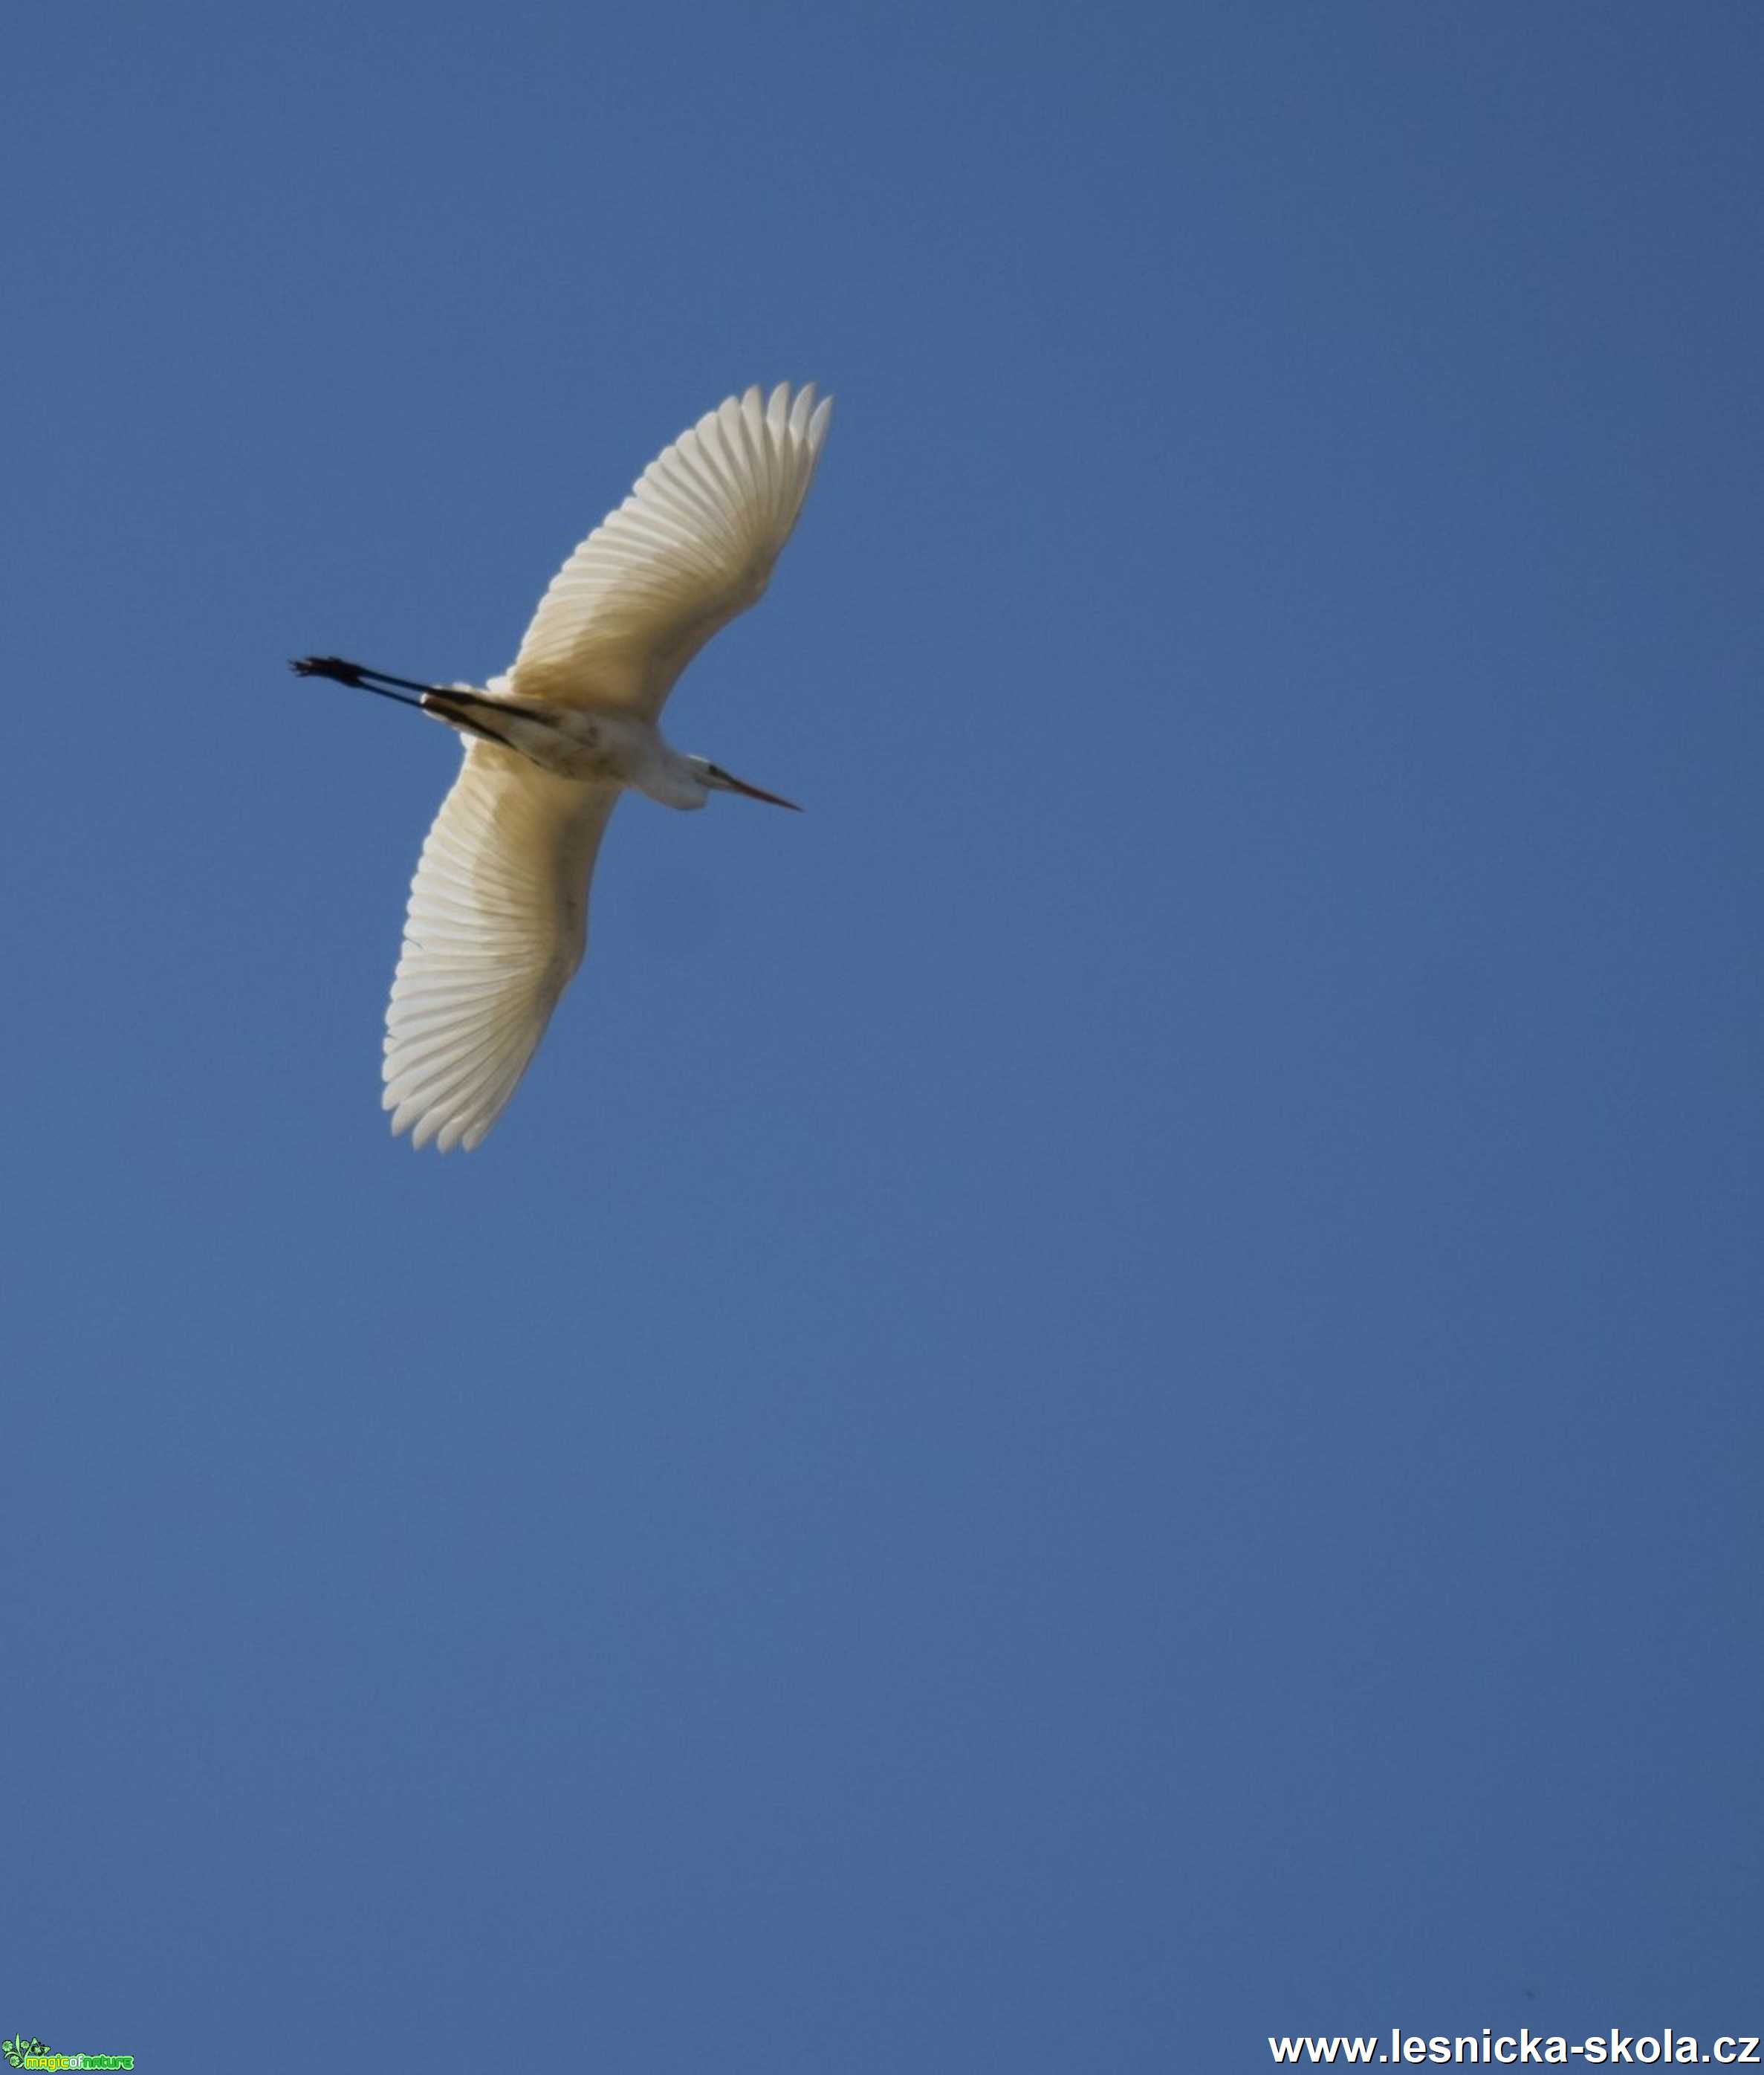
x=498, y=908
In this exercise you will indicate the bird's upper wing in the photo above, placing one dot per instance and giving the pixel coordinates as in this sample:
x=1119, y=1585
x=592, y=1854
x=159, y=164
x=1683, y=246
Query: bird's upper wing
x=689, y=547
x=498, y=917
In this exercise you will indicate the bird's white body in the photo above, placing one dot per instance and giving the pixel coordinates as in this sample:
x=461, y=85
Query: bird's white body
x=590, y=743
x=498, y=915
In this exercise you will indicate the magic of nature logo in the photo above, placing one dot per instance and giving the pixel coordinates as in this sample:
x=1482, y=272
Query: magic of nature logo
x=23, y=2052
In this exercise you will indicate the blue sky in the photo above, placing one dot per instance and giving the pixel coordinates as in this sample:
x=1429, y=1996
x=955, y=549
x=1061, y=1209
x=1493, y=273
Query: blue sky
x=1100, y=1399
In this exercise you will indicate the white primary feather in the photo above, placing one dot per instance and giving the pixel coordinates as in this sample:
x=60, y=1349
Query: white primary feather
x=496, y=924
x=691, y=547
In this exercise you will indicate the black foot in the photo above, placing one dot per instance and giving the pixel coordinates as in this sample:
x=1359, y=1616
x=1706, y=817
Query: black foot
x=328, y=666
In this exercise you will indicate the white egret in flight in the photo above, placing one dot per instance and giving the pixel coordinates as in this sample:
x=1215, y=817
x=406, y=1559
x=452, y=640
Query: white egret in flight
x=498, y=908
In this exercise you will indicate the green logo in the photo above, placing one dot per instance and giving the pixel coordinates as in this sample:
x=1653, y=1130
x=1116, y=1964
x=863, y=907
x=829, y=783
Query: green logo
x=24, y=2052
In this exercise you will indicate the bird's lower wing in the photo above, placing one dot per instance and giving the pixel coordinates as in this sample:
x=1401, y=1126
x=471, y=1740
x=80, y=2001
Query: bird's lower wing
x=692, y=546
x=497, y=921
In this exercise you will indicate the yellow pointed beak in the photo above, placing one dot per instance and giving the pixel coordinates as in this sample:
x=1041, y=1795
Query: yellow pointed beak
x=722, y=778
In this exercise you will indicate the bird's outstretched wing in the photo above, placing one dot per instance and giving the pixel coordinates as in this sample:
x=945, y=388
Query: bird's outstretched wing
x=689, y=547
x=498, y=918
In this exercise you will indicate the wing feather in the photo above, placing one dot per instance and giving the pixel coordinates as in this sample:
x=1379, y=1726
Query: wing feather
x=497, y=922
x=691, y=547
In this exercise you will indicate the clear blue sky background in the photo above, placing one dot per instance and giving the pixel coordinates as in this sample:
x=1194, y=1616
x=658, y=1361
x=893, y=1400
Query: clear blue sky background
x=1100, y=1399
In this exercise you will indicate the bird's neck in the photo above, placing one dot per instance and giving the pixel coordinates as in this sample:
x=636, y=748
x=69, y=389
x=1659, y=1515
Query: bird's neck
x=669, y=778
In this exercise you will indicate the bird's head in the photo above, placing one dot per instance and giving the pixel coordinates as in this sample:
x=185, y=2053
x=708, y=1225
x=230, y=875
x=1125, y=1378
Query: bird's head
x=715, y=779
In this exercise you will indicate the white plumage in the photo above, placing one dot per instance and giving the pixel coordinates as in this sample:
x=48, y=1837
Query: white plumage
x=690, y=548
x=495, y=929
x=498, y=914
